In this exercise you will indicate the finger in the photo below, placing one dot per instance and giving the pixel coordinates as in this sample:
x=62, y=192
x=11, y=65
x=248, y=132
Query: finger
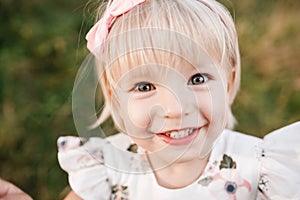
x=21, y=196
x=10, y=191
x=7, y=187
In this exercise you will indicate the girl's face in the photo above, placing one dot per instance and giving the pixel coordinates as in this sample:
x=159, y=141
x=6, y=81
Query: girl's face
x=173, y=109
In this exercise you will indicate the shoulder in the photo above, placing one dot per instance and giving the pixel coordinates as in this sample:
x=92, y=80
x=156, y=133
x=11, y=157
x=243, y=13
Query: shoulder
x=96, y=166
x=115, y=151
x=82, y=159
x=280, y=169
x=283, y=139
x=289, y=133
x=88, y=162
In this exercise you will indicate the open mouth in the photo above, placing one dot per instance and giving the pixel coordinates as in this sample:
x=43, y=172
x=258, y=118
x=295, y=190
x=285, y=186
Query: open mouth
x=179, y=134
x=179, y=137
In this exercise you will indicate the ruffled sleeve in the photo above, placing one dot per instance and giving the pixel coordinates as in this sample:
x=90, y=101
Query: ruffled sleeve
x=280, y=164
x=83, y=160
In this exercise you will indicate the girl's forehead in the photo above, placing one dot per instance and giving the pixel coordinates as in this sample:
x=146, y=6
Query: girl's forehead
x=152, y=60
x=154, y=45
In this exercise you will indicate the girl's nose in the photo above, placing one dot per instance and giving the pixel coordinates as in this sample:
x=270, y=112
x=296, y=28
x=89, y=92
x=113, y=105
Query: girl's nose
x=174, y=104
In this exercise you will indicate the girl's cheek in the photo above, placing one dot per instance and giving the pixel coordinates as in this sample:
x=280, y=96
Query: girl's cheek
x=139, y=113
x=204, y=103
x=212, y=102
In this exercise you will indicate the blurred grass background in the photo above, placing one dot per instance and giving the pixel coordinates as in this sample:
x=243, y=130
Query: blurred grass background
x=42, y=45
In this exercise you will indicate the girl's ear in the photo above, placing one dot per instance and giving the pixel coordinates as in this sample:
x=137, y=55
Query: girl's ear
x=231, y=121
x=109, y=94
x=230, y=85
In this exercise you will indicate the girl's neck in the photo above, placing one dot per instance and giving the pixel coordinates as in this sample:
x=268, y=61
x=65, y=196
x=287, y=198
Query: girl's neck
x=180, y=174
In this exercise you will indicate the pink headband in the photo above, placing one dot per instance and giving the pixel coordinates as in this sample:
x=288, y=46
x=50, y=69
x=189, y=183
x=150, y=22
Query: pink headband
x=98, y=33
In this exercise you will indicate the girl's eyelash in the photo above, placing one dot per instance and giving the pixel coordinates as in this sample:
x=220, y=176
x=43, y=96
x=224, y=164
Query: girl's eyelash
x=195, y=79
x=143, y=87
x=199, y=78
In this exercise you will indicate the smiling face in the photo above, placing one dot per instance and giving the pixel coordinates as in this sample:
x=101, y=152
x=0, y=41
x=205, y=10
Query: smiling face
x=174, y=105
x=172, y=108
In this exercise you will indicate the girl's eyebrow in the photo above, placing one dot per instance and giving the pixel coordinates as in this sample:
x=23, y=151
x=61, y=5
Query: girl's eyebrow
x=137, y=75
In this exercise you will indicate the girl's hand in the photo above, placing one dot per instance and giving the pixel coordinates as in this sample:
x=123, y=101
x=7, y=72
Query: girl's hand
x=8, y=191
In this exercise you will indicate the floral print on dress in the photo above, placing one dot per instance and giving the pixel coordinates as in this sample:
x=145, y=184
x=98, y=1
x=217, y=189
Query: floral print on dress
x=227, y=163
x=263, y=187
x=119, y=192
x=94, y=157
x=67, y=143
x=133, y=148
x=226, y=183
x=138, y=160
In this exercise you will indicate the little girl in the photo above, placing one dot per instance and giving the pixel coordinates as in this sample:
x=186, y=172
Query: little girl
x=169, y=71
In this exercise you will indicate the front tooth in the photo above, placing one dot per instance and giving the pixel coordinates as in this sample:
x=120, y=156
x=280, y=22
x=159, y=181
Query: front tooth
x=174, y=134
x=183, y=133
x=180, y=134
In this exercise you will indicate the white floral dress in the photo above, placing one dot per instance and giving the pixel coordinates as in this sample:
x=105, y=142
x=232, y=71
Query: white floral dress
x=239, y=167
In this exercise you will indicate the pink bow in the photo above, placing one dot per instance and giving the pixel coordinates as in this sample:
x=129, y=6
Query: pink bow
x=98, y=33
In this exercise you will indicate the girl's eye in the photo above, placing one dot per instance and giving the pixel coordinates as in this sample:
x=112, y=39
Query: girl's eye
x=144, y=87
x=198, y=79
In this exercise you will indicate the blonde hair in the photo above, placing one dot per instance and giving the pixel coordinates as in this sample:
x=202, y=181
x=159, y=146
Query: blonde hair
x=180, y=26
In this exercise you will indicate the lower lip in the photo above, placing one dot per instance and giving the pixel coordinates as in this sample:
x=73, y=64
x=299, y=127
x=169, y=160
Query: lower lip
x=179, y=141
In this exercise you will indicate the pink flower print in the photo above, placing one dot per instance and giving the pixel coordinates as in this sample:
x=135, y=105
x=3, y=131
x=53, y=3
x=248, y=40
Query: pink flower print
x=229, y=185
x=212, y=168
x=90, y=159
